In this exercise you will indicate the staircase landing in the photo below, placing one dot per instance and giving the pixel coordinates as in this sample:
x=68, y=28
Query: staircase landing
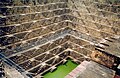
x=91, y=70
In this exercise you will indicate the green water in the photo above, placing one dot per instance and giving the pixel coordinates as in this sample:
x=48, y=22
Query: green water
x=62, y=70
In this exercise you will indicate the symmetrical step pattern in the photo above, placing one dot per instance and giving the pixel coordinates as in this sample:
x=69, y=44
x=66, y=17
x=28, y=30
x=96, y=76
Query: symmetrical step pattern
x=97, y=19
x=23, y=29
x=37, y=35
x=100, y=21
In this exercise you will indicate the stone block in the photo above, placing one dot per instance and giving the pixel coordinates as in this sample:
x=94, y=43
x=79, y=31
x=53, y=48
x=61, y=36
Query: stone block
x=102, y=58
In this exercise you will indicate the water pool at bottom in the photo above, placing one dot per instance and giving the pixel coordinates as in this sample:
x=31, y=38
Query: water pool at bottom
x=62, y=70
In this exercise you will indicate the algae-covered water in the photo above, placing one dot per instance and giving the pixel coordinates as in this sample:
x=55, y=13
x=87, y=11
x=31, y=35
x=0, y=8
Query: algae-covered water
x=62, y=70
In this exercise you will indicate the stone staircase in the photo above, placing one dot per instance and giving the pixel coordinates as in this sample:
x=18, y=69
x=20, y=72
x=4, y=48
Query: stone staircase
x=34, y=32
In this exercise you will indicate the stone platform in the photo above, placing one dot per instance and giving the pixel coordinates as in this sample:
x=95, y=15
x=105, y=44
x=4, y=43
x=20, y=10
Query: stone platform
x=91, y=70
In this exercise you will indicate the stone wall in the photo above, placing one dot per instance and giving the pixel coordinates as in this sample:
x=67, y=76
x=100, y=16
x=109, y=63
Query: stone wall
x=39, y=34
x=25, y=21
x=97, y=19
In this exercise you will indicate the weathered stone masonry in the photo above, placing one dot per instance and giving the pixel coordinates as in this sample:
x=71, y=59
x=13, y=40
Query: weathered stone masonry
x=39, y=34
